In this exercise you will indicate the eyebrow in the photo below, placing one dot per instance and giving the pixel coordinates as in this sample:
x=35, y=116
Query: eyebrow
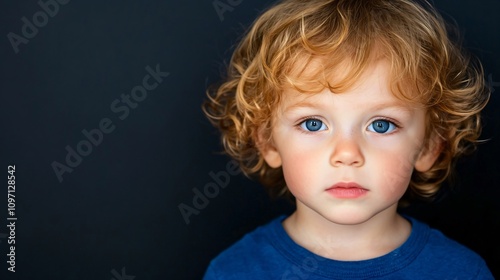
x=393, y=105
x=301, y=104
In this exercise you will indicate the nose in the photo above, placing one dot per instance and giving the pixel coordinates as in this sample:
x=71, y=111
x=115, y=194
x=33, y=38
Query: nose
x=347, y=152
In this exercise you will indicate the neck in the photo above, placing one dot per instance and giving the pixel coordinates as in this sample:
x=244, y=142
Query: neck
x=372, y=238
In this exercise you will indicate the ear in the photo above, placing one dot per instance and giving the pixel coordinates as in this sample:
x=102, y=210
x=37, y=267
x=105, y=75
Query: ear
x=428, y=156
x=268, y=150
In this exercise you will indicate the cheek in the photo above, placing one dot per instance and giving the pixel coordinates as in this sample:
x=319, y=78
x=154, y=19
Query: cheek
x=295, y=166
x=301, y=168
x=396, y=173
x=295, y=177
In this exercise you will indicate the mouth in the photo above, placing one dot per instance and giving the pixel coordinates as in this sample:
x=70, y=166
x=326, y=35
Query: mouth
x=347, y=190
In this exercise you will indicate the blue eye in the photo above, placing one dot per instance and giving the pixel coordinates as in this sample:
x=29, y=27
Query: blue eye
x=313, y=125
x=381, y=126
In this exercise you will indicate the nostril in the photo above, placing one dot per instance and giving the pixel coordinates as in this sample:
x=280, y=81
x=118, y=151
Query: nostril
x=347, y=159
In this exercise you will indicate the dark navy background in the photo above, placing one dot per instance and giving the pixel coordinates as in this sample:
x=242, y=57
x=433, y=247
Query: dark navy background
x=116, y=215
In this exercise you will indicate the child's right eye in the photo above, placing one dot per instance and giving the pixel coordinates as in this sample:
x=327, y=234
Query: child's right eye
x=313, y=125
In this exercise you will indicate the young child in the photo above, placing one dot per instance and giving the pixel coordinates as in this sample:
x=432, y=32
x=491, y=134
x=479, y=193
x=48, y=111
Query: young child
x=350, y=106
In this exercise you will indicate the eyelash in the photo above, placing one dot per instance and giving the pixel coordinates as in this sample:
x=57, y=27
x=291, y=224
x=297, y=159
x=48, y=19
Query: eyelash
x=394, y=122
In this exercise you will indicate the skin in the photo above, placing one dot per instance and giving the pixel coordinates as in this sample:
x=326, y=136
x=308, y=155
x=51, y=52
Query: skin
x=323, y=139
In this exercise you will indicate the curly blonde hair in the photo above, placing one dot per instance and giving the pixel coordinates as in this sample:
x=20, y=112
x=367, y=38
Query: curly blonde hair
x=294, y=34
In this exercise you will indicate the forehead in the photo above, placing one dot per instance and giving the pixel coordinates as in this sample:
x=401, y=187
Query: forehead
x=312, y=75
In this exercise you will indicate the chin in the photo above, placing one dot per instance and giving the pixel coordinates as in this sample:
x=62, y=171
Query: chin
x=347, y=217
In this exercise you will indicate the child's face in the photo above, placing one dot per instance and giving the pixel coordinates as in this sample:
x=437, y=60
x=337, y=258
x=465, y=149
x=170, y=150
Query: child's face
x=365, y=137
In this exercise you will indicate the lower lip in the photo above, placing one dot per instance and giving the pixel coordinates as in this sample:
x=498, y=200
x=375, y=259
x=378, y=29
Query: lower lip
x=347, y=192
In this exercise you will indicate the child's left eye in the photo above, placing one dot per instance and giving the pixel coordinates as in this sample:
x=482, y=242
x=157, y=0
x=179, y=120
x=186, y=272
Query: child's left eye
x=382, y=126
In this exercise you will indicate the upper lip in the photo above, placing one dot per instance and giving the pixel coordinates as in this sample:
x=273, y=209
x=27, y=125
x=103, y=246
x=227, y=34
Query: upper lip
x=346, y=185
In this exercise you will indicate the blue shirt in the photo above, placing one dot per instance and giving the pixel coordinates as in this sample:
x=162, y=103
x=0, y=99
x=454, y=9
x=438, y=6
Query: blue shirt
x=269, y=253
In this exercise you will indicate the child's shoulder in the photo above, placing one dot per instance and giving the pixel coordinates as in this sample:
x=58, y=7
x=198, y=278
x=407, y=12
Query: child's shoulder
x=256, y=242
x=434, y=241
x=441, y=255
x=256, y=249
